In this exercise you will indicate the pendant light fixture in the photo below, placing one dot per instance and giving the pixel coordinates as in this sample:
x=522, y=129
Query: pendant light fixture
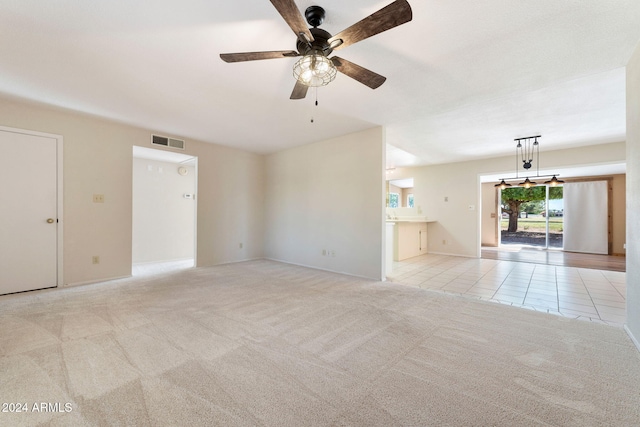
x=528, y=150
x=554, y=181
x=527, y=184
x=503, y=185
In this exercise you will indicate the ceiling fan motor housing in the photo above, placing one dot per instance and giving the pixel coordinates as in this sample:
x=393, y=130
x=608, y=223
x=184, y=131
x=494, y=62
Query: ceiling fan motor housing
x=319, y=43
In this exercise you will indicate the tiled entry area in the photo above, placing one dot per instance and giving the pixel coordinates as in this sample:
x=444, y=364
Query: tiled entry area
x=594, y=295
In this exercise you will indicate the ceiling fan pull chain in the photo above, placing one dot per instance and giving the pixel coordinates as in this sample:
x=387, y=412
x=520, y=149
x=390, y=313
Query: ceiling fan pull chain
x=316, y=89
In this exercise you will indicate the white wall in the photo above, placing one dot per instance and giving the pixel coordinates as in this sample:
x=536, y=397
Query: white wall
x=97, y=159
x=328, y=196
x=457, y=226
x=163, y=219
x=633, y=196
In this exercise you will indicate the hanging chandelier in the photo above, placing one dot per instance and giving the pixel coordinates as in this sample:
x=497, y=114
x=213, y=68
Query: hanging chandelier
x=527, y=149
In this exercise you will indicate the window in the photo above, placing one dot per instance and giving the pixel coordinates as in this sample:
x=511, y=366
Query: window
x=394, y=198
x=410, y=200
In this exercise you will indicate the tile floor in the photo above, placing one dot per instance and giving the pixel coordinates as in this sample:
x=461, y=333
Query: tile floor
x=594, y=295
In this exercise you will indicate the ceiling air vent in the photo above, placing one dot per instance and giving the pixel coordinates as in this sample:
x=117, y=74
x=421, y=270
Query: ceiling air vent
x=167, y=142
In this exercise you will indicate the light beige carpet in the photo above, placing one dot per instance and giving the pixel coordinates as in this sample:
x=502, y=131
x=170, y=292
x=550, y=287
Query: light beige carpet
x=266, y=344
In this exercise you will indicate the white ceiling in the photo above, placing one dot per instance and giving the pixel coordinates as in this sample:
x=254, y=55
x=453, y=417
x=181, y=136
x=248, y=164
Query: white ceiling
x=464, y=78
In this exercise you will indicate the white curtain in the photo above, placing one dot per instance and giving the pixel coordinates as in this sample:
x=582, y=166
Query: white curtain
x=586, y=225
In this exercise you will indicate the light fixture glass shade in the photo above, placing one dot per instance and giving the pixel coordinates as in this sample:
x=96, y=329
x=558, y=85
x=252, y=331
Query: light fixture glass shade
x=554, y=181
x=502, y=185
x=314, y=70
x=527, y=184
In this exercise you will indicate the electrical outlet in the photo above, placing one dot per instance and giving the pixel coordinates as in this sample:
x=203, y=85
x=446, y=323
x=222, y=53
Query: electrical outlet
x=98, y=198
x=95, y=259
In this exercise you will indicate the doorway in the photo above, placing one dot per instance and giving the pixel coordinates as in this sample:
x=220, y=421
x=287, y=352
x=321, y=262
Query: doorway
x=31, y=200
x=164, y=211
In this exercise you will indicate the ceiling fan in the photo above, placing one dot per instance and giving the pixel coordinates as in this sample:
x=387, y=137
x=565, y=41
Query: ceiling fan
x=314, y=45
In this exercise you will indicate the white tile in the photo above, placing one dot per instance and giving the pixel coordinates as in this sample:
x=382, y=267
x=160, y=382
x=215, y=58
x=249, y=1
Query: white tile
x=567, y=291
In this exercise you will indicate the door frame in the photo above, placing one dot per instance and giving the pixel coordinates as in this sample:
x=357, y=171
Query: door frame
x=59, y=195
x=175, y=162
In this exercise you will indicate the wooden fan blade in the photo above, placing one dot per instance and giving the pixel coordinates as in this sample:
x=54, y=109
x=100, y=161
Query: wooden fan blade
x=254, y=56
x=397, y=13
x=293, y=17
x=356, y=72
x=299, y=91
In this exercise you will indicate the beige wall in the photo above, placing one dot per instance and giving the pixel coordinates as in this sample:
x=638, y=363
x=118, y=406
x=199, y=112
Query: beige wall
x=458, y=227
x=98, y=159
x=329, y=196
x=633, y=196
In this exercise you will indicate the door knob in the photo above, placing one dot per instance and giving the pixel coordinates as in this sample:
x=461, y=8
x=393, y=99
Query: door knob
x=50, y=221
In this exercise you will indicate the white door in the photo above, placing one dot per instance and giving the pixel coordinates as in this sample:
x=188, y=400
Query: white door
x=28, y=212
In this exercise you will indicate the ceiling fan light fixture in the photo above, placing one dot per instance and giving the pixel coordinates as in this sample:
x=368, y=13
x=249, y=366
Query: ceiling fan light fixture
x=314, y=70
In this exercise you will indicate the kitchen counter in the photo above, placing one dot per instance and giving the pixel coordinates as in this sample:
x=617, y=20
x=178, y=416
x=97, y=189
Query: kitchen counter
x=410, y=219
x=409, y=236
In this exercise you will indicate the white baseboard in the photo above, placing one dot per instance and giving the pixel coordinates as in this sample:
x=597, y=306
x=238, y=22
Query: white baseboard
x=90, y=282
x=143, y=263
x=633, y=339
x=324, y=269
x=450, y=254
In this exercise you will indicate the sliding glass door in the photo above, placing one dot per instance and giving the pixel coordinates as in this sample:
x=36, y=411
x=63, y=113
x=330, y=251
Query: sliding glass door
x=532, y=216
x=554, y=215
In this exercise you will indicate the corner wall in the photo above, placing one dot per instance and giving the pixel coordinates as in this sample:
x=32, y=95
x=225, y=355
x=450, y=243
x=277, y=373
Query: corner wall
x=633, y=197
x=328, y=196
x=98, y=160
